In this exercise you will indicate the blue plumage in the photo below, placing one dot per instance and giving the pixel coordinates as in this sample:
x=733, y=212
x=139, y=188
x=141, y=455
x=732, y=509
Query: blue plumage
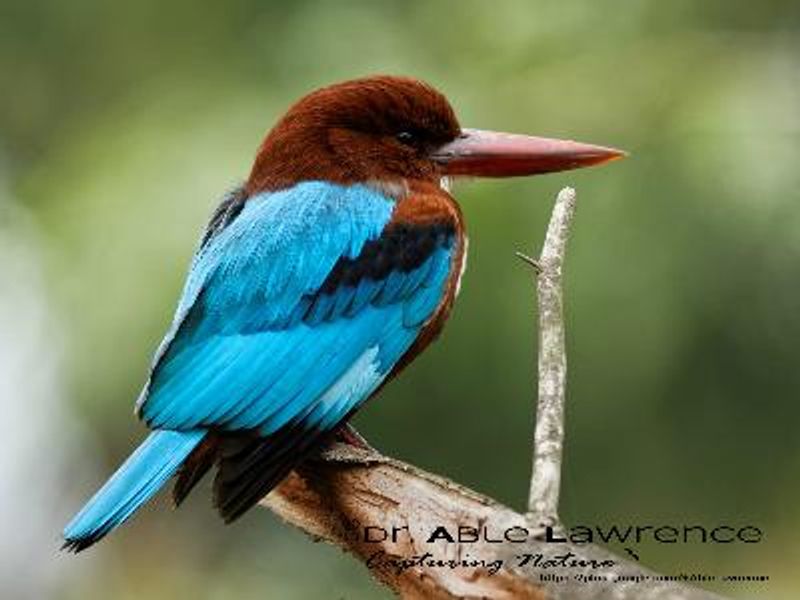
x=134, y=483
x=294, y=312
x=255, y=344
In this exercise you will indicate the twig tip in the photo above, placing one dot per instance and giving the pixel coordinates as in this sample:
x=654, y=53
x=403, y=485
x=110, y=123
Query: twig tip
x=529, y=260
x=566, y=193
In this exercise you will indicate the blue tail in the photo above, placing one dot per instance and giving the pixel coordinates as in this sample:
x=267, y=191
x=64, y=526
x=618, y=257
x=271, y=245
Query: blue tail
x=134, y=483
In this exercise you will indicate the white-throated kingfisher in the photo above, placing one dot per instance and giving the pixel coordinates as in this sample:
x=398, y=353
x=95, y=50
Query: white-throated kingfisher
x=316, y=281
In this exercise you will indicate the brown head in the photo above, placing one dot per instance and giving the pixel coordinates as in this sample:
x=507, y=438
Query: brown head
x=387, y=130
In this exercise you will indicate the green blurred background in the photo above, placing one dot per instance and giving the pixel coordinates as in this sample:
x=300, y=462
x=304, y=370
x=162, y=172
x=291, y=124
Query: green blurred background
x=121, y=124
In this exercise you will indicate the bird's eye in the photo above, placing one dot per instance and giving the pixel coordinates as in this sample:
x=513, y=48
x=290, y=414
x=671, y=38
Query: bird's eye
x=407, y=138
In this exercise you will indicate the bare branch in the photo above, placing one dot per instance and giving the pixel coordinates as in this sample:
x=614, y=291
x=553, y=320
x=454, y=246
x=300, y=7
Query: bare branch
x=549, y=434
x=384, y=512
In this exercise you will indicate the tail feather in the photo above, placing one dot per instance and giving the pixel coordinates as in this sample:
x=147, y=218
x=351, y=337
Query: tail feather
x=250, y=467
x=134, y=483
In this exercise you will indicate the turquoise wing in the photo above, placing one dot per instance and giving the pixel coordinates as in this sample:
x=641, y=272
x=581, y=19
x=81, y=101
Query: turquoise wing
x=296, y=311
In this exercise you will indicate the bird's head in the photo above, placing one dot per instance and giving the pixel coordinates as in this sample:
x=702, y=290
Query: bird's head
x=388, y=130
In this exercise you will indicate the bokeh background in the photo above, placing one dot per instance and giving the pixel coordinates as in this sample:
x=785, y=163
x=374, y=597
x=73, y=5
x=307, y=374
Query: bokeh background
x=121, y=125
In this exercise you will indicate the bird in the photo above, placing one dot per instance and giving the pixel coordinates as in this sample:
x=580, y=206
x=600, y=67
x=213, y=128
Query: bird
x=315, y=282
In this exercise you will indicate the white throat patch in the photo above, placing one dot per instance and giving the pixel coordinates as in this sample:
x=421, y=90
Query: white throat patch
x=396, y=189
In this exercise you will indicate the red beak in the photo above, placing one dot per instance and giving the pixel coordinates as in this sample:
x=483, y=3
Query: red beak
x=491, y=154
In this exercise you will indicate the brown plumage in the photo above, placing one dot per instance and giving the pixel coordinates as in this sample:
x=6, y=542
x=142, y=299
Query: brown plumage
x=347, y=133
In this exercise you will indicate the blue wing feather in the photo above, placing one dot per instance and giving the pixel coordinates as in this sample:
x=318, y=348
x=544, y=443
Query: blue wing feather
x=257, y=345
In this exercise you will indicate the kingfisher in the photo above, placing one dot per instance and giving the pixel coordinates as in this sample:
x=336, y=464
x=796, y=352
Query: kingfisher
x=316, y=281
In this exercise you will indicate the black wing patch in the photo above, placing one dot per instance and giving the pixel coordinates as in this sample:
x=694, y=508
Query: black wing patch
x=354, y=282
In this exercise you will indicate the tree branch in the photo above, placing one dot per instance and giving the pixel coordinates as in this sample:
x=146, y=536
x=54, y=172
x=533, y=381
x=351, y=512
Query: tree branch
x=549, y=434
x=425, y=536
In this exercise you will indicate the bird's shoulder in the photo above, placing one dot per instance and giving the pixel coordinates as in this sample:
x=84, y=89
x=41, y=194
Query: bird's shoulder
x=429, y=207
x=314, y=236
